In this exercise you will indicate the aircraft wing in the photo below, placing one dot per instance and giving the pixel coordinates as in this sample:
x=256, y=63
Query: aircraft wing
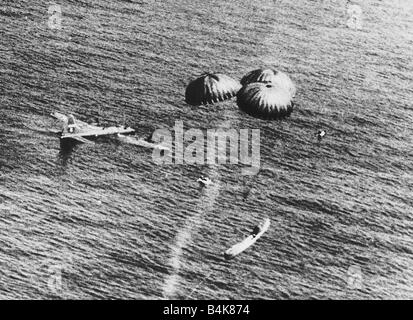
x=97, y=131
x=141, y=142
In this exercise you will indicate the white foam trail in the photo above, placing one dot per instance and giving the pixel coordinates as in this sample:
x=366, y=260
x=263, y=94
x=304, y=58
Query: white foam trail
x=170, y=285
x=183, y=238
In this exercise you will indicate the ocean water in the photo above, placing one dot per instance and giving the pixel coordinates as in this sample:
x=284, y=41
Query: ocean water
x=105, y=222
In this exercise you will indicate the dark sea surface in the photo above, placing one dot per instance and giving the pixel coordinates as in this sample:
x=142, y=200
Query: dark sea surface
x=104, y=221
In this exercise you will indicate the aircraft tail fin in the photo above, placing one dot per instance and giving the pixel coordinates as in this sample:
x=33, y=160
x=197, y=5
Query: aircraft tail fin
x=70, y=126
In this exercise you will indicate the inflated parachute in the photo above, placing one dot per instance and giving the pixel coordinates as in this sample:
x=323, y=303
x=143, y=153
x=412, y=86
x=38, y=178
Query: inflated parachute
x=211, y=88
x=265, y=100
x=272, y=76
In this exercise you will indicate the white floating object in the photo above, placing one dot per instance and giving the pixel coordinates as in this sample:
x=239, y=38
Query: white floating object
x=204, y=181
x=247, y=242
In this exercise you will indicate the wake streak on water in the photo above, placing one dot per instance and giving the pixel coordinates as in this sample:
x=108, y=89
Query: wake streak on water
x=206, y=205
x=183, y=239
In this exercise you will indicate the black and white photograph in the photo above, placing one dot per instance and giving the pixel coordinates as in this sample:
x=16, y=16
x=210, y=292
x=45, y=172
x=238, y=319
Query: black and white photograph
x=216, y=150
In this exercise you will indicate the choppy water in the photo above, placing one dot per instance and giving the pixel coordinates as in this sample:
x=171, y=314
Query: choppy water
x=105, y=222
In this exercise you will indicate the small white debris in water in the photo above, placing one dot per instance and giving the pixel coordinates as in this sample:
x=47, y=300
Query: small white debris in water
x=321, y=133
